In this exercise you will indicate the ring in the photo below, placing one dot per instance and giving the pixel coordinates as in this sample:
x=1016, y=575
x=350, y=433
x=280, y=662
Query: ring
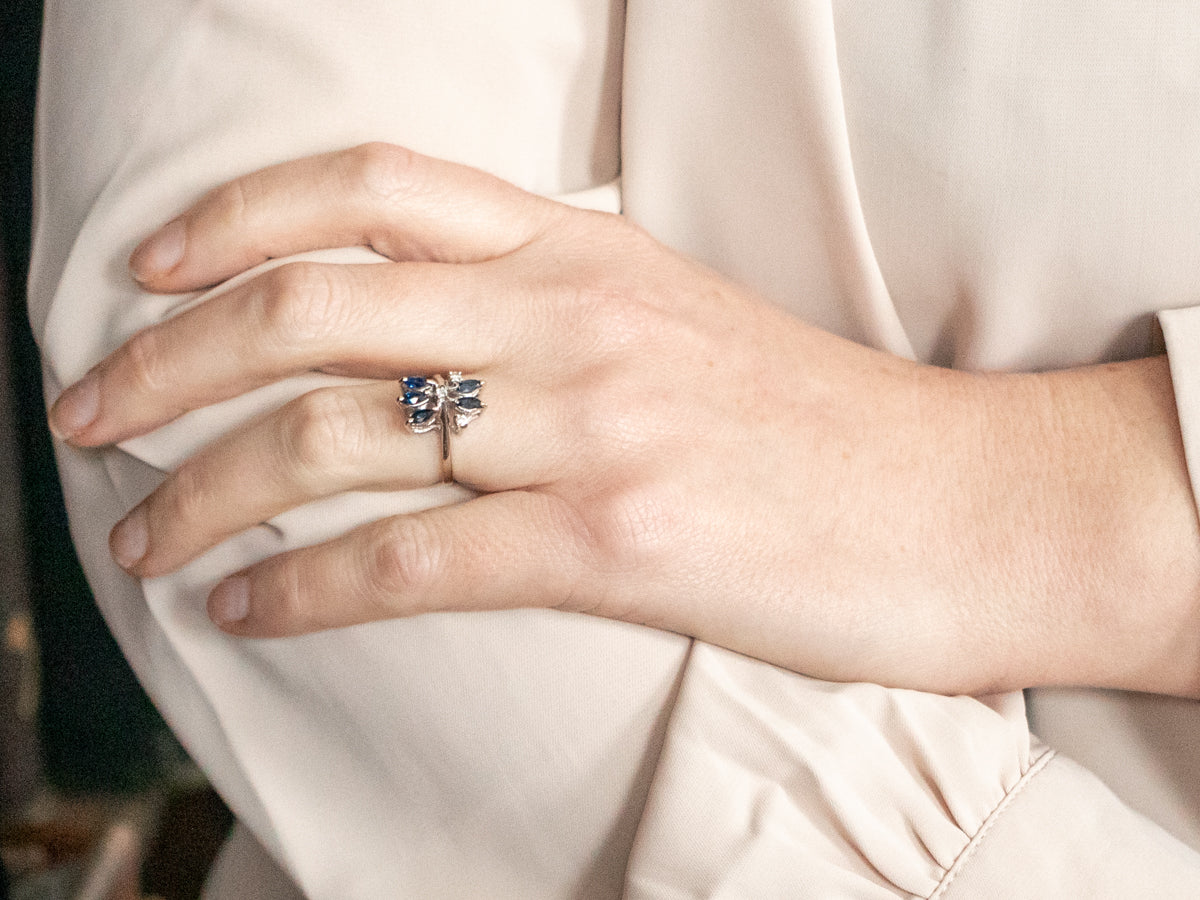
x=440, y=403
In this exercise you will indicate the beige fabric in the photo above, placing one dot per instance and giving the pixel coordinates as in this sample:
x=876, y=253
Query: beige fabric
x=244, y=869
x=1021, y=851
x=774, y=785
x=983, y=185
x=770, y=786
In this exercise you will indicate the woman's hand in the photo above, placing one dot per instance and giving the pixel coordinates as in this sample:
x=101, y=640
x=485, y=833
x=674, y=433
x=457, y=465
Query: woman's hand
x=660, y=446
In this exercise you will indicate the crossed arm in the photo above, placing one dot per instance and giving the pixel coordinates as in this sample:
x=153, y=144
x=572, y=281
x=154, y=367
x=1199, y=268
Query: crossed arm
x=661, y=446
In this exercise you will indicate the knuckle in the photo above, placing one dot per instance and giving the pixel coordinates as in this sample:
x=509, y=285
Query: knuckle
x=301, y=304
x=325, y=432
x=616, y=317
x=230, y=204
x=148, y=361
x=632, y=527
x=382, y=171
x=290, y=610
x=610, y=412
x=405, y=559
x=192, y=494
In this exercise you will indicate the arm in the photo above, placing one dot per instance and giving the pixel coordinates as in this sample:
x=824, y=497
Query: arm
x=836, y=511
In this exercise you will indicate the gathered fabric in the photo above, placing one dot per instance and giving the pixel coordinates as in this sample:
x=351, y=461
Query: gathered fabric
x=983, y=186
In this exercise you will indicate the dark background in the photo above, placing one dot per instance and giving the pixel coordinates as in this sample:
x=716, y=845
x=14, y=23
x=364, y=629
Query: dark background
x=86, y=738
x=96, y=729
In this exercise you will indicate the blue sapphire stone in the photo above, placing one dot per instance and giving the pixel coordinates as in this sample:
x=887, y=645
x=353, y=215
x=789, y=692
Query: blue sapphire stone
x=469, y=403
x=469, y=386
x=421, y=416
x=412, y=398
x=414, y=382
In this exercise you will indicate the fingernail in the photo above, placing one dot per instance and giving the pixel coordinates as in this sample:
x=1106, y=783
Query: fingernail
x=76, y=408
x=129, y=540
x=230, y=601
x=159, y=253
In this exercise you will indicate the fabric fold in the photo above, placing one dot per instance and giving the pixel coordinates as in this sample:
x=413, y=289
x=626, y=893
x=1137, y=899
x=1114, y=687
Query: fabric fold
x=773, y=785
x=1102, y=849
x=511, y=754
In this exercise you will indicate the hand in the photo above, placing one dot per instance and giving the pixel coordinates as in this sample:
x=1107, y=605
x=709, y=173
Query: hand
x=661, y=446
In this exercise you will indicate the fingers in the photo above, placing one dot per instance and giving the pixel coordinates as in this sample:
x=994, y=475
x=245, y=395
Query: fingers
x=498, y=551
x=404, y=205
x=367, y=321
x=325, y=442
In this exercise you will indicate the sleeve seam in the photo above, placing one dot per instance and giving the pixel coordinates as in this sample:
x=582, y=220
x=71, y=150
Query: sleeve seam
x=976, y=841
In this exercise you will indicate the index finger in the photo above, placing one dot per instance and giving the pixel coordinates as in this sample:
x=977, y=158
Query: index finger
x=402, y=204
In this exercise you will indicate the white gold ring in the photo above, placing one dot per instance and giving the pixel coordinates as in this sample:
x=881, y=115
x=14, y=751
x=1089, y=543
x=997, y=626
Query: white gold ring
x=445, y=404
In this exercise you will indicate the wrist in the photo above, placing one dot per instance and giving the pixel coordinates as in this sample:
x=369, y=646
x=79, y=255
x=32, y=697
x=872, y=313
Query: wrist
x=1096, y=539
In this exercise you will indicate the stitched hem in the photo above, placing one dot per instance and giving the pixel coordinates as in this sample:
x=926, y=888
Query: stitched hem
x=977, y=840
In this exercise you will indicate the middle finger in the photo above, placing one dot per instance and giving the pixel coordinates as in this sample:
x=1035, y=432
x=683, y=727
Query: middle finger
x=364, y=320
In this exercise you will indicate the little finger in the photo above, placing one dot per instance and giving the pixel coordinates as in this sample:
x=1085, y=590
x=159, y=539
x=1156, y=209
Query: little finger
x=498, y=551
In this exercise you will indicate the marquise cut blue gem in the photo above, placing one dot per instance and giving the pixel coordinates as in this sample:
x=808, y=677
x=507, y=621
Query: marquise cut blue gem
x=469, y=403
x=469, y=386
x=412, y=398
x=421, y=416
x=414, y=382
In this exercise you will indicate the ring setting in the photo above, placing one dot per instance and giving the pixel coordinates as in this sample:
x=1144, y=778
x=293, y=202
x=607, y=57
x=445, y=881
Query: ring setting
x=447, y=404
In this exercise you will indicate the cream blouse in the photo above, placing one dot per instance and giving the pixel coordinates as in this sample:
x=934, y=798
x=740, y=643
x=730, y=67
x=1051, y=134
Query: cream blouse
x=980, y=185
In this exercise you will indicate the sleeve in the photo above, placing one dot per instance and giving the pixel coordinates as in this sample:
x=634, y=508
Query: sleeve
x=774, y=785
x=1181, y=331
x=499, y=755
x=487, y=755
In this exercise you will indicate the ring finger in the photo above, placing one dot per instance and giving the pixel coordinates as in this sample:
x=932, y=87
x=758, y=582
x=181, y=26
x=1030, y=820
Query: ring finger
x=326, y=442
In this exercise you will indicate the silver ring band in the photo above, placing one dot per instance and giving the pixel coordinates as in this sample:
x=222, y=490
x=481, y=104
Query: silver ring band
x=440, y=403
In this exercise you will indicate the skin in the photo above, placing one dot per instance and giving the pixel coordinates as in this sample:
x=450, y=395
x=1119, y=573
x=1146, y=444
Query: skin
x=661, y=446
